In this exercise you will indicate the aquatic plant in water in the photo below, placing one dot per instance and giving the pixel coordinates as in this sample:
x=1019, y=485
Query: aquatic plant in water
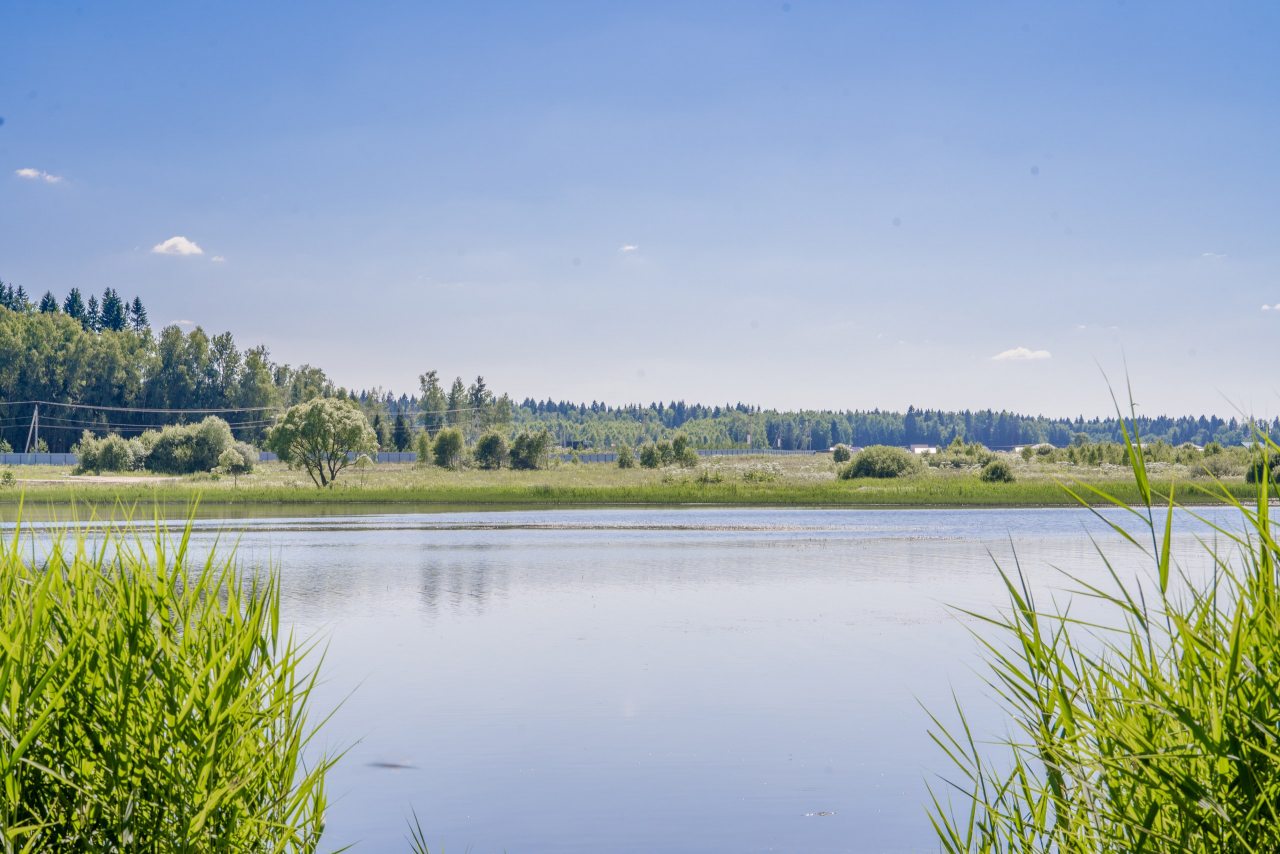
x=149, y=701
x=1157, y=730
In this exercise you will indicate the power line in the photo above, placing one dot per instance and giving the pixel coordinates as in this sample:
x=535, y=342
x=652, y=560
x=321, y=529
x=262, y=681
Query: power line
x=137, y=408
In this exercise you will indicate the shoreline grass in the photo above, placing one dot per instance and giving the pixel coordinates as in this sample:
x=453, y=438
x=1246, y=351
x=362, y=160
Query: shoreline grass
x=476, y=490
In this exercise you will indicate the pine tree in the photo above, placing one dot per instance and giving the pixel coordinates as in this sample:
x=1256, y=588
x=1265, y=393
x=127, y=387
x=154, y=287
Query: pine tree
x=49, y=303
x=113, y=311
x=138, y=316
x=20, y=301
x=73, y=305
x=92, y=318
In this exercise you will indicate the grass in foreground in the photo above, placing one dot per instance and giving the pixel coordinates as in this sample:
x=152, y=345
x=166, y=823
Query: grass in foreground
x=149, y=702
x=1157, y=731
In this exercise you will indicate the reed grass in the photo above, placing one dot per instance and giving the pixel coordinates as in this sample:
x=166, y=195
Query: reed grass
x=149, y=701
x=1156, y=729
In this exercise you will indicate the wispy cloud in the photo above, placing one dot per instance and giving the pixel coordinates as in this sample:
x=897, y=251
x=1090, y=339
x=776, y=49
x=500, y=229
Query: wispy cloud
x=177, y=246
x=184, y=323
x=38, y=175
x=1213, y=256
x=1022, y=354
x=1266, y=307
x=628, y=248
x=217, y=259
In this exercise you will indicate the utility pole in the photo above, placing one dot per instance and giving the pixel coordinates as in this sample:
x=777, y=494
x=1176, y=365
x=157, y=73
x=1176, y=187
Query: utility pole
x=33, y=430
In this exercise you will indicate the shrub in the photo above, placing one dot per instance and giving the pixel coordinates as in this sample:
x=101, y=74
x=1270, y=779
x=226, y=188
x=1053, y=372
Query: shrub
x=1218, y=466
x=109, y=453
x=531, y=450
x=187, y=448
x=682, y=453
x=237, y=460
x=422, y=447
x=841, y=453
x=626, y=459
x=1264, y=467
x=761, y=474
x=881, y=461
x=666, y=452
x=491, y=451
x=7, y=478
x=997, y=471
x=151, y=702
x=448, y=448
x=649, y=456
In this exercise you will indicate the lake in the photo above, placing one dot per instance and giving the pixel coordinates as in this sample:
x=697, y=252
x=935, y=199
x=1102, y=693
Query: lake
x=622, y=680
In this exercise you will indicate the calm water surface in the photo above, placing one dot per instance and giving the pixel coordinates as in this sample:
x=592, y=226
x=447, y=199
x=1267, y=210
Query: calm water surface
x=649, y=680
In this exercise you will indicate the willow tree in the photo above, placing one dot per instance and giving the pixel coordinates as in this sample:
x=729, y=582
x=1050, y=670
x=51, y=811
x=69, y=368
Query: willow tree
x=323, y=436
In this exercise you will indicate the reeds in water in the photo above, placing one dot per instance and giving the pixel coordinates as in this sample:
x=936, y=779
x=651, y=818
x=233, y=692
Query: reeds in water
x=1156, y=730
x=149, y=702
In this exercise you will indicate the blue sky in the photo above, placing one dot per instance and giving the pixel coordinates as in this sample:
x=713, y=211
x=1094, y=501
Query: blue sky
x=794, y=204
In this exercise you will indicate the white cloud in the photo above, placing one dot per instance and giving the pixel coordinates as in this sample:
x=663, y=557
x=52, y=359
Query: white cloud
x=217, y=259
x=185, y=323
x=1022, y=354
x=1266, y=307
x=628, y=248
x=177, y=246
x=1213, y=256
x=38, y=175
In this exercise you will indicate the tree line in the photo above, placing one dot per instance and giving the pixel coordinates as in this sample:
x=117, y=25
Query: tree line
x=103, y=353
x=55, y=356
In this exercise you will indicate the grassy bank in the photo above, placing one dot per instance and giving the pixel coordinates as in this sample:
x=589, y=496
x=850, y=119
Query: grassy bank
x=742, y=481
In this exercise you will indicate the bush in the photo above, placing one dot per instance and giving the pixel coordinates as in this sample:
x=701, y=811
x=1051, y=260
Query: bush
x=881, y=461
x=187, y=448
x=109, y=453
x=491, y=451
x=1264, y=466
x=237, y=460
x=841, y=453
x=682, y=453
x=447, y=449
x=649, y=456
x=997, y=471
x=626, y=459
x=422, y=447
x=152, y=702
x=666, y=452
x=531, y=450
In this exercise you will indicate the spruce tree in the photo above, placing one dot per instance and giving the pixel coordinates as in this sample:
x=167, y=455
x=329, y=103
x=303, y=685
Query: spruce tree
x=113, y=311
x=49, y=303
x=73, y=305
x=400, y=433
x=138, y=316
x=20, y=301
x=92, y=318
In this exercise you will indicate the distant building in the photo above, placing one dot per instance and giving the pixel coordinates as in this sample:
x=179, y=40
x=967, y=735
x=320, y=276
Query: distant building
x=923, y=449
